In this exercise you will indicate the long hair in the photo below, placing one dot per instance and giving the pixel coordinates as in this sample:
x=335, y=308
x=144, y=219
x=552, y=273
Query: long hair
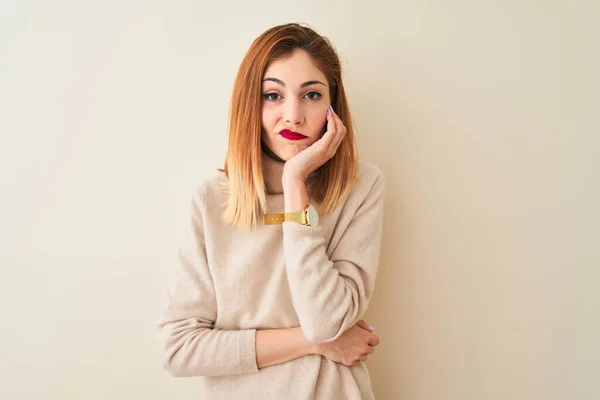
x=245, y=187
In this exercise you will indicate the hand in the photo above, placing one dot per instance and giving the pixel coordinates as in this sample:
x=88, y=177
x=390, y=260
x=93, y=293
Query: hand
x=300, y=166
x=352, y=347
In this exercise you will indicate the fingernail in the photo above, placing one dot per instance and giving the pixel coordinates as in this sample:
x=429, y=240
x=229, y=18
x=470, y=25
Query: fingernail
x=371, y=327
x=330, y=110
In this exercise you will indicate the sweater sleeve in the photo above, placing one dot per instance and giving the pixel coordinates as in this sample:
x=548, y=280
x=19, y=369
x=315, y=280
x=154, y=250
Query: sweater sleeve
x=192, y=346
x=330, y=294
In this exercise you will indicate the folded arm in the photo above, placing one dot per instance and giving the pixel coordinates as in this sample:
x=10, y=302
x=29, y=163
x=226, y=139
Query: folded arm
x=330, y=294
x=192, y=346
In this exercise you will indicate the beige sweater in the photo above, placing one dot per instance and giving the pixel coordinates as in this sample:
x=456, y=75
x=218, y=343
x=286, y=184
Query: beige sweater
x=231, y=283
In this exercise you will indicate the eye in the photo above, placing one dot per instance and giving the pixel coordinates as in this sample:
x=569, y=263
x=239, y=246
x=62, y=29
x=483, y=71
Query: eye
x=270, y=96
x=314, y=95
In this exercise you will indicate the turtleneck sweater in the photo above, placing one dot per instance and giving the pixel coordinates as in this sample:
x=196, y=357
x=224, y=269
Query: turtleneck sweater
x=229, y=283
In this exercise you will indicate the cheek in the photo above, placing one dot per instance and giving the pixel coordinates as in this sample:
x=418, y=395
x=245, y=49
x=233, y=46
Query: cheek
x=318, y=121
x=268, y=118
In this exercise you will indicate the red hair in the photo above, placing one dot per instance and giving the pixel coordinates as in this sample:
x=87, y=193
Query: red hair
x=246, y=202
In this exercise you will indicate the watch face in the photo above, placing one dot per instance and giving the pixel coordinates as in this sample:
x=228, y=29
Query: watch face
x=313, y=216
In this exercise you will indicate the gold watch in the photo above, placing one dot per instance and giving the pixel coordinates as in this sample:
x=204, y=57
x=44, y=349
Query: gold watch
x=309, y=217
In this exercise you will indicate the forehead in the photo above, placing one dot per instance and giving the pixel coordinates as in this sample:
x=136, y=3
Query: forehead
x=298, y=67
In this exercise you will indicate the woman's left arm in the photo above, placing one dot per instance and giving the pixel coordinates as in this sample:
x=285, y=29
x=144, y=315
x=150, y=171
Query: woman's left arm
x=330, y=294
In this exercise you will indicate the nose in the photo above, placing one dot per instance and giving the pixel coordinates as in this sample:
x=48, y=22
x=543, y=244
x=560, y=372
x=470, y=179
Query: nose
x=293, y=115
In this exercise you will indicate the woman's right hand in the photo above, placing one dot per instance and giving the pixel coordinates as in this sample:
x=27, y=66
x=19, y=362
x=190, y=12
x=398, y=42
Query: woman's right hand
x=352, y=347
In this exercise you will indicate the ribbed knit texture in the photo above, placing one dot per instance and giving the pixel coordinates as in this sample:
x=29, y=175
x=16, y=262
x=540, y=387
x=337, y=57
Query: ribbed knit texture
x=231, y=283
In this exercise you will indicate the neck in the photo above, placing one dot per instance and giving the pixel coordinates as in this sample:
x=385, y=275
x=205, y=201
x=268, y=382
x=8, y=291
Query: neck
x=272, y=171
x=272, y=155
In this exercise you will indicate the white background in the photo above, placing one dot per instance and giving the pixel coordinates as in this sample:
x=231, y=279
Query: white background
x=482, y=115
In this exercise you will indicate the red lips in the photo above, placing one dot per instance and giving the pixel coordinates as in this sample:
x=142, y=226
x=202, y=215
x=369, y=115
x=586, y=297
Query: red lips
x=291, y=135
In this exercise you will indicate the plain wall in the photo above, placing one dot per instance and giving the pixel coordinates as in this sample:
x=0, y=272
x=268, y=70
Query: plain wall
x=482, y=114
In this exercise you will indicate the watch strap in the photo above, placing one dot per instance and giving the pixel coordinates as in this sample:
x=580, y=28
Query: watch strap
x=298, y=216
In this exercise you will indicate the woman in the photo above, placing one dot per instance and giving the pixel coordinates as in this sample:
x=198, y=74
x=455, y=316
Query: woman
x=269, y=296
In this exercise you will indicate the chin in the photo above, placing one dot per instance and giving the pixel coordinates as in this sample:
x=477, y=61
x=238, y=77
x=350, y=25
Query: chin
x=288, y=149
x=291, y=151
x=287, y=152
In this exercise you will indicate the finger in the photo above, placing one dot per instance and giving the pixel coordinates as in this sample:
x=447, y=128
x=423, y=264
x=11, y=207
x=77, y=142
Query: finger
x=331, y=130
x=333, y=121
x=373, y=340
x=331, y=127
x=340, y=133
x=339, y=125
x=364, y=325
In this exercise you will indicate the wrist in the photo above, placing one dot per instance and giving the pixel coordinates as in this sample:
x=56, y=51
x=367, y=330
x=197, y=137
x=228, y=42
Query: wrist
x=315, y=349
x=295, y=195
x=310, y=348
x=292, y=180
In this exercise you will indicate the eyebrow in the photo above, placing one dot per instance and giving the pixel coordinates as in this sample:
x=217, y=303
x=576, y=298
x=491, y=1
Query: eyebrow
x=307, y=83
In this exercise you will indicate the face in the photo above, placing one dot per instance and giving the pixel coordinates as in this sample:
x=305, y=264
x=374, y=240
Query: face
x=295, y=97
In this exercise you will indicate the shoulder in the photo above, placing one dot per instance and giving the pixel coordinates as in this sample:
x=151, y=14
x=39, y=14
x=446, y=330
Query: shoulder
x=370, y=171
x=368, y=188
x=370, y=179
x=210, y=188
